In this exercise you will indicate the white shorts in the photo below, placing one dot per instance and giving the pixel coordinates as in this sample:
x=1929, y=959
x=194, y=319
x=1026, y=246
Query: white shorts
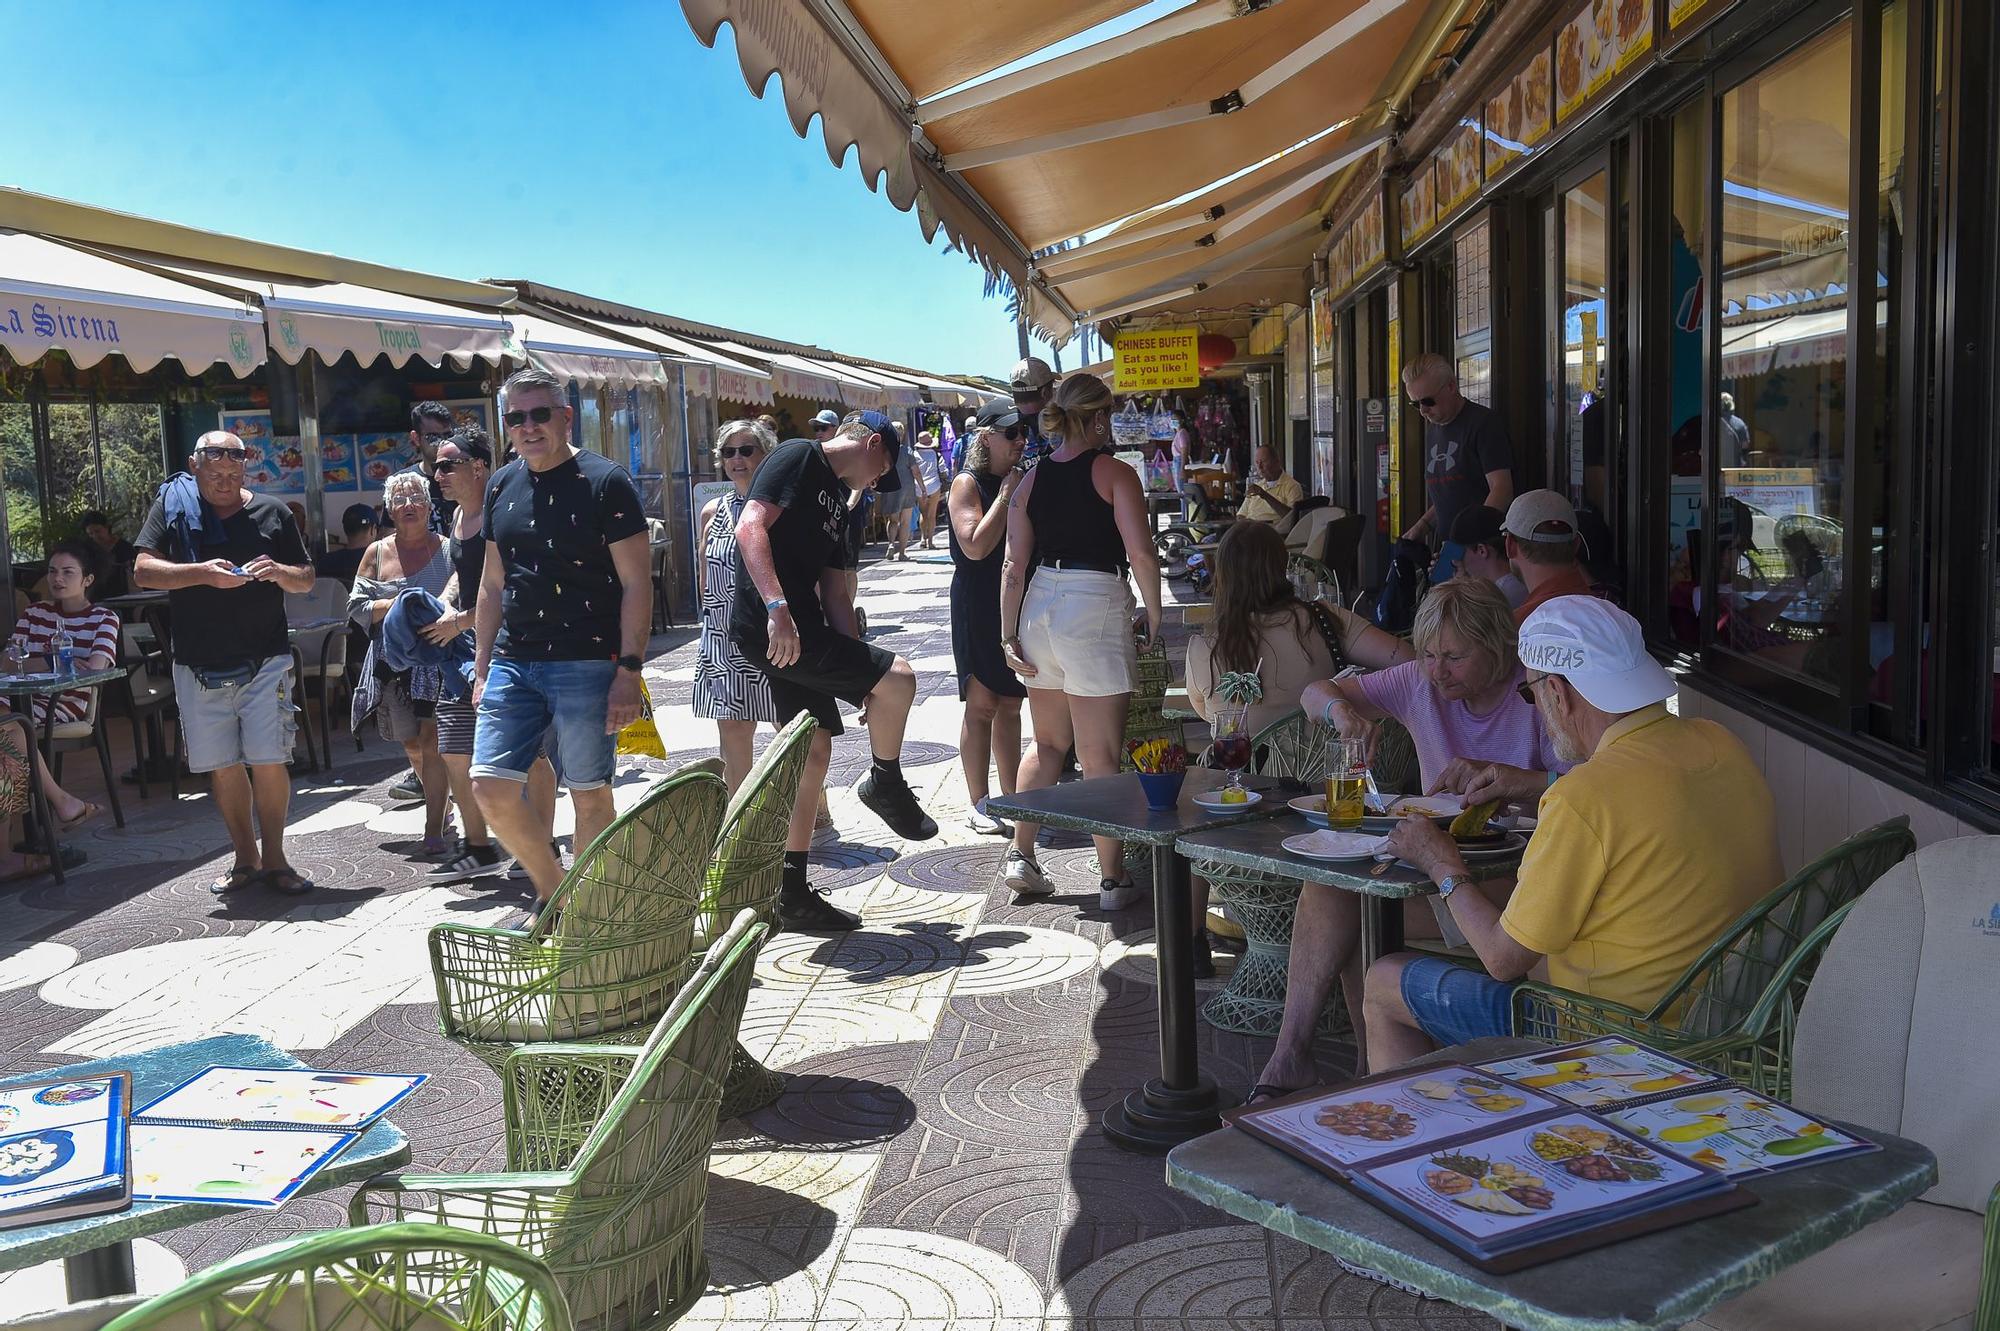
x=252, y=722
x=1076, y=630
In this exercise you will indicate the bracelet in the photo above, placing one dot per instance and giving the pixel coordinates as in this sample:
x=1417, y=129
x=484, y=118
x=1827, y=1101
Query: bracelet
x=774, y=603
x=1326, y=712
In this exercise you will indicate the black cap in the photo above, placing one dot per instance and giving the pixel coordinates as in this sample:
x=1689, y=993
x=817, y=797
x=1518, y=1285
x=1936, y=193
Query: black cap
x=470, y=441
x=999, y=414
x=1478, y=525
x=358, y=517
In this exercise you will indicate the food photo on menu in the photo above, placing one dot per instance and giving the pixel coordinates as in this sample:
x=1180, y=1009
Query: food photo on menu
x=1738, y=1131
x=1365, y=1121
x=1605, y=1071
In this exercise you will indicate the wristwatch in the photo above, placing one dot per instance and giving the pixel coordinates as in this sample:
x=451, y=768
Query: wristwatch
x=631, y=663
x=1448, y=885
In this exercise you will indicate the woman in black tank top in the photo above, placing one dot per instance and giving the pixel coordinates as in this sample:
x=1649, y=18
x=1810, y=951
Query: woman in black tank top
x=1076, y=532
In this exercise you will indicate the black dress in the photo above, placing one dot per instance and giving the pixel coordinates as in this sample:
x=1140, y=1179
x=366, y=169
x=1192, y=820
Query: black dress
x=975, y=608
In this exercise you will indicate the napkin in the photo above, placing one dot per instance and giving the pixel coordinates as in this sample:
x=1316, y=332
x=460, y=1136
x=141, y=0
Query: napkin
x=1335, y=845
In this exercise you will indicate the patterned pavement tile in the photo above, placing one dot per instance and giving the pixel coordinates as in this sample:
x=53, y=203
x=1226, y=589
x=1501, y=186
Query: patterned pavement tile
x=1165, y=1280
x=892, y=1278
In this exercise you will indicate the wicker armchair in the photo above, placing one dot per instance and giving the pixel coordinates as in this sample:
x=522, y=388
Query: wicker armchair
x=1736, y=1007
x=380, y=1278
x=609, y=952
x=607, y=1154
x=745, y=873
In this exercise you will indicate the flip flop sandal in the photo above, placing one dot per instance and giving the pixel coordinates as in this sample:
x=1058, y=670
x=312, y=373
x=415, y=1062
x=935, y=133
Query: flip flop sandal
x=235, y=878
x=39, y=865
x=90, y=811
x=287, y=881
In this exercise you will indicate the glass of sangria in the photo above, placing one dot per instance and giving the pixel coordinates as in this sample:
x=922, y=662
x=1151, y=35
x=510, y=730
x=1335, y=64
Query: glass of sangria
x=1231, y=748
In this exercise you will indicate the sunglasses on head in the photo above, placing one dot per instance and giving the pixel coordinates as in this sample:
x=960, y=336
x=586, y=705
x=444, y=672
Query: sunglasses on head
x=737, y=451
x=215, y=454
x=539, y=415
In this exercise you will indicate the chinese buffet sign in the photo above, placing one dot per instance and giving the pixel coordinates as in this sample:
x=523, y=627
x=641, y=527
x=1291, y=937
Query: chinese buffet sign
x=1155, y=359
x=1359, y=250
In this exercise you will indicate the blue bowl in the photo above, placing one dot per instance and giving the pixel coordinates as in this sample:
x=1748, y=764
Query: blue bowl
x=1163, y=789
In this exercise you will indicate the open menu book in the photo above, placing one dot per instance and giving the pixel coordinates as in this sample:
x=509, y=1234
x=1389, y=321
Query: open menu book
x=253, y=1136
x=63, y=1149
x=1498, y=1162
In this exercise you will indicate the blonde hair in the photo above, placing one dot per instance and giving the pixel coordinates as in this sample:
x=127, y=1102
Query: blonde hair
x=978, y=457
x=401, y=483
x=1477, y=612
x=1071, y=405
x=767, y=438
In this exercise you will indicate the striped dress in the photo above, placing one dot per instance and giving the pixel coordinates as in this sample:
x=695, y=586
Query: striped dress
x=93, y=631
x=726, y=686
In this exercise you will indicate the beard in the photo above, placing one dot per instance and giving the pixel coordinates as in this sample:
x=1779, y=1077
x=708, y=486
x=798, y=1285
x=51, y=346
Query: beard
x=1566, y=748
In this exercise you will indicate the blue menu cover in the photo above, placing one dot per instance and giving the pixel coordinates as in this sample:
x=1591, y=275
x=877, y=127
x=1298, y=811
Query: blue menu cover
x=63, y=1149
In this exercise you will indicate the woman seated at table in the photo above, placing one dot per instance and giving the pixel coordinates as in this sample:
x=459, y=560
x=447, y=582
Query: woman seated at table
x=1459, y=700
x=1260, y=626
x=93, y=632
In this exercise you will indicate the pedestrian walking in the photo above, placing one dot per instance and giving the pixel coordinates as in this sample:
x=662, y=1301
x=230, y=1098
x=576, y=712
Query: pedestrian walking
x=226, y=557
x=976, y=530
x=729, y=689
x=794, y=614
x=930, y=487
x=564, y=611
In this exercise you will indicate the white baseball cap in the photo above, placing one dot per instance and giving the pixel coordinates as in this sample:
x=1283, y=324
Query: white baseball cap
x=1599, y=649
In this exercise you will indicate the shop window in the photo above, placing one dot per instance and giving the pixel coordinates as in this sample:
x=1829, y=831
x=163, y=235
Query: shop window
x=1472, y=322
x=131, y=451
x=1587, y=423
x=23, y=480
x=1686, y=320
x=71, y=485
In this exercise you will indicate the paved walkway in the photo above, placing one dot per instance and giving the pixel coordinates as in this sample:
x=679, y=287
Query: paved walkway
x=935, y=1162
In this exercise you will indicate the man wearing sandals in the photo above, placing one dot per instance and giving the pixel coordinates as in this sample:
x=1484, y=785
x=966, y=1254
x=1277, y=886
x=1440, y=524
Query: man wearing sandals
x=226, y=558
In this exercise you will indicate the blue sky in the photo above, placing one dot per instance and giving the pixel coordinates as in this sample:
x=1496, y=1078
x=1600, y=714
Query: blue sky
x=589, y=145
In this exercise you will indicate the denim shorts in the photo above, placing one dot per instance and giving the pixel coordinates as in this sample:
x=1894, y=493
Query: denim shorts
x=564, y=700
x=235, y=724
x=1453, y=1003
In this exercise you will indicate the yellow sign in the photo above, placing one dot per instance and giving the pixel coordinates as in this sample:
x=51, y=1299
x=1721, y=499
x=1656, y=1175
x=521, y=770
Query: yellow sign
x=1155, y=359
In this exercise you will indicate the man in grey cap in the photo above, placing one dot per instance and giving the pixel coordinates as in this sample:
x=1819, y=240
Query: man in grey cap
x=1542, y=546
x=823, y=425
x=1032, y=381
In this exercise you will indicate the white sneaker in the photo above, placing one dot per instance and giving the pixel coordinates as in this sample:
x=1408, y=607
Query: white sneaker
x=985, y=823
x=1117, y=896
x=1024, y=877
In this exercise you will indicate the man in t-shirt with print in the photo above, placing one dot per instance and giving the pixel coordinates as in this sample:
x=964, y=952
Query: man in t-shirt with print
x=225, y=558
x=1467, y=459
x=794, y=613
x=564, y=610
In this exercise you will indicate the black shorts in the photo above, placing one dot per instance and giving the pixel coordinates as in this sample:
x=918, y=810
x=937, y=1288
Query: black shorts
x=831, y=666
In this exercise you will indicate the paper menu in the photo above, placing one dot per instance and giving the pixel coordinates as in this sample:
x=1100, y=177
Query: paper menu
x=1385, y=1116
x=63, y=1148
x=1738, y=1131
x=1600, y=1072
x=1536, y=1180
x=301, y=1097
x=233, y=1166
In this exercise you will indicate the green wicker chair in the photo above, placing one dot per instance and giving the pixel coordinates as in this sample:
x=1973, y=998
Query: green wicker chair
x=745, y=872
x=1736, y=1007
x=380, y=1278
x=611, y=949
x=607, y=1154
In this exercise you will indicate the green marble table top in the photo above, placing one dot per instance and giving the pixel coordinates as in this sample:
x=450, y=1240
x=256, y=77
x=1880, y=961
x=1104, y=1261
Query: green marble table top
x=154, y=1073
x=41, y=683
x=1116, y=806
x=1651, y=1283
x=1259, y=846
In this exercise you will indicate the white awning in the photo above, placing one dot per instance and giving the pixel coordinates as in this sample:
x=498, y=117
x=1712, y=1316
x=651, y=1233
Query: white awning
x=587, y=357
x=709, y=372
x=899, y=391
x=793, y=376
x=57, y=297
x=857, y=388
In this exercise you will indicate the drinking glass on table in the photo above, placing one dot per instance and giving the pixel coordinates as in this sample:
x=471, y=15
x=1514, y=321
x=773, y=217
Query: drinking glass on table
x=17, y=658
x=1346, y=782
x=1231, y=744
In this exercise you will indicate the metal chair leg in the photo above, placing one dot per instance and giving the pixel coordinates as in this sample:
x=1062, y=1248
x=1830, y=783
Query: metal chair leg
x=110, y=779
x=139, y=748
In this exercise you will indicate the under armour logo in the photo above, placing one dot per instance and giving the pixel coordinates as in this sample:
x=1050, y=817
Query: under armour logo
x=1443, y=458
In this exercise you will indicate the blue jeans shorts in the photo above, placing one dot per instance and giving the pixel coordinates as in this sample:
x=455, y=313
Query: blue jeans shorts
x=565, y=701
x=235, y=724
x=1453, y=1004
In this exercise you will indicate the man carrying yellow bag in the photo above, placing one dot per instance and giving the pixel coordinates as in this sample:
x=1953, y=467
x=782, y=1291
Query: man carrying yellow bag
x=641, y=738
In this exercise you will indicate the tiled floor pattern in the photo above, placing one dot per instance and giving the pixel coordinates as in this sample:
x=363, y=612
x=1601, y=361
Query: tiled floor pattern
x=935, y=1161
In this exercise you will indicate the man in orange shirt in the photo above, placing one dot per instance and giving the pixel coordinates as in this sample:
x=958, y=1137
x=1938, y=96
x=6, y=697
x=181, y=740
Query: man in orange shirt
x=1542, y=546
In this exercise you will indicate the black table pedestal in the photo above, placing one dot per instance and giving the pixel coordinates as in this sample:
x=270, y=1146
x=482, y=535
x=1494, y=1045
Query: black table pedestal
x=100, y=1273
x=1180, y=1104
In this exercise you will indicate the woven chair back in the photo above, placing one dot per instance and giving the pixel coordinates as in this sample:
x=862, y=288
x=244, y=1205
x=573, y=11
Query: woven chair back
x=748, y=865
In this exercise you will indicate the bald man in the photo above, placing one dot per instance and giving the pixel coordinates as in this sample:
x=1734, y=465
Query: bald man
x=226, y=557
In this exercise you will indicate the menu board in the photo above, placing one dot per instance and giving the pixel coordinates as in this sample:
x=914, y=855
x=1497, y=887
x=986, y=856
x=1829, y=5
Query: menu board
x=1322, y=325
x=339, y=469
x=1520, y=115
x=261, y=471
x=1418, y=210
x=1458, y=167
x=1369, y=247
x=383, y=455
x=1683, y=16
x=1606, y=38
x=1340, y=263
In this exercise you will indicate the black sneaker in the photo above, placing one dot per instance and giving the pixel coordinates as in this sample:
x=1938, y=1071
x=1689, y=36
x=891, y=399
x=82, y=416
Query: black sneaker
x=809, y=912
x=470, y=862
x=896, y=804
x=410, y=790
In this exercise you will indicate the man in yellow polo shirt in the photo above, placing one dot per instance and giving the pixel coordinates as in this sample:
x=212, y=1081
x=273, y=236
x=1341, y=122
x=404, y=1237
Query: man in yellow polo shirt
x=1641, y=857
x=1271, y=494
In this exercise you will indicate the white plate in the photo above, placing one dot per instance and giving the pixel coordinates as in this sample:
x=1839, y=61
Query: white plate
x=1209, y=801
x=1327, y=844
x=1440, y=805
x=1513, y=845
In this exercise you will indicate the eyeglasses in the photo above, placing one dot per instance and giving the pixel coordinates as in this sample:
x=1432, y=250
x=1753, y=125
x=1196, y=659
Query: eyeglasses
x=740, y=451
x=1423, y=402
x=445, y=465
x=235, y=455
x=1014, y=433
x=1527, y=689
x=539, y=415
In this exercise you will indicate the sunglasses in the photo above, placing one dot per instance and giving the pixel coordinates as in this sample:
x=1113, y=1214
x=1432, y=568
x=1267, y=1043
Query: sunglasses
x=1423, y=402
x=539, y=415
x=236, y=455
x=1527, y=689
x=1014, y=433
x=738, y=451
x=444, y=465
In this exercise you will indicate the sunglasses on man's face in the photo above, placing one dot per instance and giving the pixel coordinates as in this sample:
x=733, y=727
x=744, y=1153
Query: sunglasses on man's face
x=739, y=451
x=1423, y=402
x=235, y=455
x=539, y=415
x=1527, y=689
x=445, y=466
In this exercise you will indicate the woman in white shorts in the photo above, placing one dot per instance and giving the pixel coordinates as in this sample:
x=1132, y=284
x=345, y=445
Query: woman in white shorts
x=1078, y=523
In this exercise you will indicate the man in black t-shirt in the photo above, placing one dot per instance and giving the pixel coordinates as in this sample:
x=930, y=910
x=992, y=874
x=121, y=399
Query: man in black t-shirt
x=564, y=610
x=1467, y=459
x=226, y=558
x=794, y=617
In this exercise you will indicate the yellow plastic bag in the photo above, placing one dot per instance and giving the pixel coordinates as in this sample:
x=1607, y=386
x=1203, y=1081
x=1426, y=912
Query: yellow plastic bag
x=642, y=738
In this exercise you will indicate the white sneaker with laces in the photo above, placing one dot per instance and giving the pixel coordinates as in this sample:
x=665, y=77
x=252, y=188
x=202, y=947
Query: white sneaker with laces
x=985, y=823
x=1024, y=878
x=1117, y=896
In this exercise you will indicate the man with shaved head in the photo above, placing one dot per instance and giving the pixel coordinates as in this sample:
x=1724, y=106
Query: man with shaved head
x=226, y=557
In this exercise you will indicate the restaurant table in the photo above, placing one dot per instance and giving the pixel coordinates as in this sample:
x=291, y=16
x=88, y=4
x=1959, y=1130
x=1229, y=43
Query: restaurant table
x=134, y=601
x=97, y=1249
x=1180, y=1103
x=42, y=685
x=1650, y=1283
x=1259, y=846
x=293, y=628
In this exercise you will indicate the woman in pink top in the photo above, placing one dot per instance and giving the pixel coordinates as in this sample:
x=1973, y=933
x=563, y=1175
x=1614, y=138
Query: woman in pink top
x=1458, y=700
